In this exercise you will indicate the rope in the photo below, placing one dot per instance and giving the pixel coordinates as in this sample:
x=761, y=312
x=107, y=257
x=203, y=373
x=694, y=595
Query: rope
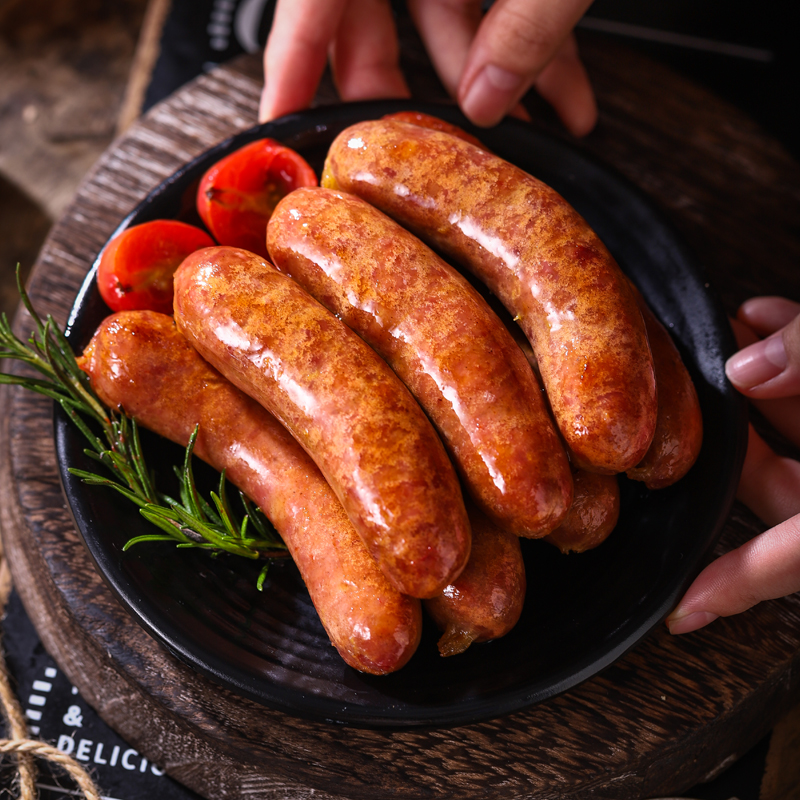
x=19, y=743
x=25, y=748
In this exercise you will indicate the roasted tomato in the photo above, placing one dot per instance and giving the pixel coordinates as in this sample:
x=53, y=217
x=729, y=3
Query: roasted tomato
x=136, y=269
x=237, y=195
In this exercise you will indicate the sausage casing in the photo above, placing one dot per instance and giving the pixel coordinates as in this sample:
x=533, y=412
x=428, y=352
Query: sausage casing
x=679, y=428
x=340, y=401
x=137, y=360
x=443, y=341
x=486, y=600
x=538, y=256
x=593, y=516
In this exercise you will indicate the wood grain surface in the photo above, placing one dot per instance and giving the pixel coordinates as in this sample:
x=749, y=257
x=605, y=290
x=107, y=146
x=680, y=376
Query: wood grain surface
x=665, y=716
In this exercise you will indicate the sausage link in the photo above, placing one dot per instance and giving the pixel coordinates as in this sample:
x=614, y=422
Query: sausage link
x=138, y=361
x=541, y=259
x=593, y=515
x=342, y=403
x=679, y=428
x=443, y=341
x=437, y=124
x=486, y=600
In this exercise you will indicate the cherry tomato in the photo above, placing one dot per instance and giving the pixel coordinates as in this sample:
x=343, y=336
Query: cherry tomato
x=237, y=196
x=136, y=268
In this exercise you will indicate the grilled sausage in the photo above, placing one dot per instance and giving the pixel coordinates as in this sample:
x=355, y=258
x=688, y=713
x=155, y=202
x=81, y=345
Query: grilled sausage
x=486, y=600
x=593, y=515
x=540, y=258
x=442, y=340
x=138, y=361
x=342, y=403
x=679, y=428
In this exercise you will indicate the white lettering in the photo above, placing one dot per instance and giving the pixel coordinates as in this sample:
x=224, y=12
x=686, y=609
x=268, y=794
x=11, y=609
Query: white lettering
x=114, y=755
x=98, y=754
x=84, y=746
x=155, y=770
x=143, y=765
x=126, y=759
x=66, y=744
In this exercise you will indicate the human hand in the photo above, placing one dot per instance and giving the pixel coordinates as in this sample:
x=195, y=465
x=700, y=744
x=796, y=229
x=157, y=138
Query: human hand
x=767, y=370
x=487, y=62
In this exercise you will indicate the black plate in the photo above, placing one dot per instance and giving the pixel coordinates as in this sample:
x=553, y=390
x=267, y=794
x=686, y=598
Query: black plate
x=582, y=612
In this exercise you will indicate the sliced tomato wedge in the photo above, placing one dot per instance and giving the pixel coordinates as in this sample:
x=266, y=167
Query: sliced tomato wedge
x=237, y=196
x=136, y=268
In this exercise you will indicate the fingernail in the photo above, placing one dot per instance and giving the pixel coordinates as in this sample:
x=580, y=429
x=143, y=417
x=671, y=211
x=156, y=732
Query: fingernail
x=758, y=363
x=490, y=95
x=690, y=622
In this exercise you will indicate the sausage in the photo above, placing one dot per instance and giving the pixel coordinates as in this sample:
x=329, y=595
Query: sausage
x=443, y=341
x=593, y=515
x=437, y=124
x=486, y=600
x=679, y=428
x=541, y=259
x=340, y=401
x=137, y=360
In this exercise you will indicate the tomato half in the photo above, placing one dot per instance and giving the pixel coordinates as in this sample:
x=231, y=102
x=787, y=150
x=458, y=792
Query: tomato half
x=136, y=268
x=237, y=196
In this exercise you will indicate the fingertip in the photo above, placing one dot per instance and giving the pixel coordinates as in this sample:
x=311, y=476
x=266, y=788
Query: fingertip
x=679, y=622
x=767, y=314
x=264, y=111
x=565, y=84
x=489, y=96
x=758, y=364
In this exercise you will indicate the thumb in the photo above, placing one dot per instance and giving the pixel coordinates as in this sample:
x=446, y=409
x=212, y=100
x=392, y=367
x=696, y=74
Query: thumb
x=769, y=368
x=517, y=43
x=765, y=568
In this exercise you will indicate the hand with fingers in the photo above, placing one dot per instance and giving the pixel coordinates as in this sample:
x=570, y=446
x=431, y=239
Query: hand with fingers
x=487, y=62
x=767, y=370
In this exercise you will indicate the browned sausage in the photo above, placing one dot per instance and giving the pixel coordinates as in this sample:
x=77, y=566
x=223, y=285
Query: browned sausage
x=593, y=515
x=486, y=600
x=139, y=361
x=539, y=256
x=437, y=124
x=342, y=403
x=442, y=340
x=679, y=429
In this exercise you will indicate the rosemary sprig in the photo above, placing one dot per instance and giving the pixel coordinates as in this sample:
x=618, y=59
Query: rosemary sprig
x=189, y=521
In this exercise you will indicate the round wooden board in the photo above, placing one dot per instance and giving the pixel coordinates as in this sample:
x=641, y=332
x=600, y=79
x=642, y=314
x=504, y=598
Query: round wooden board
x=666, y=715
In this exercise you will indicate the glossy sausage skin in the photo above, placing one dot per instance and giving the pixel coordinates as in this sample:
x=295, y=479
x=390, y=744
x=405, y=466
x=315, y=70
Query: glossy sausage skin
x=138, y=361
x=540, y=258
x=443, y=341
x=341, y=402
x=679, y=429
x=593, y=516
x=435, y=123
x=486, y=600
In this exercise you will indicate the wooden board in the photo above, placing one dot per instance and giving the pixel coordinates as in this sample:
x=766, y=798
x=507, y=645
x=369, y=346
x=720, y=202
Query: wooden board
x=668, y=714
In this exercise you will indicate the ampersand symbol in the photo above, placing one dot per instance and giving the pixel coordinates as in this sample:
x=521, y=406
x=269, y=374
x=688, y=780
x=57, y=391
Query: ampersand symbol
x=73, y=717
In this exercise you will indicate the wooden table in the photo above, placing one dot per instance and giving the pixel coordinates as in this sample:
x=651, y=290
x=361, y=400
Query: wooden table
x=668, y=714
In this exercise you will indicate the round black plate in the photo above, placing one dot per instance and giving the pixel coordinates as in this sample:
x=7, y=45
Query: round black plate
x=581, y=613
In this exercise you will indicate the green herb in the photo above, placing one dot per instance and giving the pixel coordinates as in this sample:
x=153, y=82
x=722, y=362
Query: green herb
x=189, y=521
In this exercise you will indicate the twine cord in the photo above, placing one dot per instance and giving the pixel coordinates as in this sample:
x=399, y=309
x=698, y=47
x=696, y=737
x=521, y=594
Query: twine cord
x=20, y=744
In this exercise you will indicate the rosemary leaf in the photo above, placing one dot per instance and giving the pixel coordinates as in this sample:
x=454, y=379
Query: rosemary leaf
x=114, y=442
